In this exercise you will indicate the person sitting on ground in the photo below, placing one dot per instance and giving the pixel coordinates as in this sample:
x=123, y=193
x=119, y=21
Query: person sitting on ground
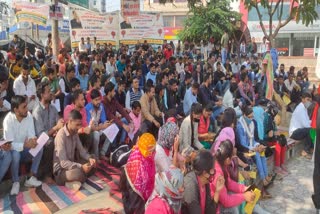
x=271, y=135
x=25, y=85
x=95, y=83
x=78, y=103
x=112, y=106
x=228, y=203
x=205, y=137
x=137, y=179
x=74, y=85
x=300, y=124
x=65, y=81
x=245, y=131
x=166, y=151
x=46, y=119
x=5, y=157
x=95, y=111
x=151, y=116
x=246, y=91
x=120, y=95
x=190, y=98
x=168, y=192
x=198, y=198
x=68, y=170
x=134, y=94
x=18, y=127
x=189, y=129
x=135, y=116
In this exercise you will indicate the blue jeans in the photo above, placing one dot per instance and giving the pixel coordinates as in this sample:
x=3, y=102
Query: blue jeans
x=96, y=141
x=261, y=163
x=24, y=156
x=123, y=131
x=5, y=161
x=224, y=55
x=222, y=86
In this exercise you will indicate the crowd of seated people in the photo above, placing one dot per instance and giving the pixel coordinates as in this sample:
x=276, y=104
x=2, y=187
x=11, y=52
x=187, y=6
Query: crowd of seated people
x=198, y=130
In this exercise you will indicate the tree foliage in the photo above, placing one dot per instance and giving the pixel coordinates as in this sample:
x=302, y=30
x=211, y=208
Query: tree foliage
x=300, y=10
x=209, y=21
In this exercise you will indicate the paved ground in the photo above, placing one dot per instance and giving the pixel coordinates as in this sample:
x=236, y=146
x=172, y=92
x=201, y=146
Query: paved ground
x=292, y=195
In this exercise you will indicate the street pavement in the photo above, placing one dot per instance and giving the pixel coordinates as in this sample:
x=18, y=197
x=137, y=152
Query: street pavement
x=292, y=194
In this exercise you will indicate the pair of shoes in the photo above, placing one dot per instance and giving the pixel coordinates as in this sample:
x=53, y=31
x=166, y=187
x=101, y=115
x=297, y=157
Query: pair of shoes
x=31, y=182
x=74, y=185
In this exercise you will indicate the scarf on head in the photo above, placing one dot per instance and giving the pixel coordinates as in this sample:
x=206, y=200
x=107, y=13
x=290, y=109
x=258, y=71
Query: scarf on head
x=167, y=134
x=167, y=186
x=249, y=130
x=140, y=168
x=226, y=133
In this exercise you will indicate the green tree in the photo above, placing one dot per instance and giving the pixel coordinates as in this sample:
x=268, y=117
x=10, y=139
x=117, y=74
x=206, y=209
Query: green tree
x=300, y=10
x=211, y=20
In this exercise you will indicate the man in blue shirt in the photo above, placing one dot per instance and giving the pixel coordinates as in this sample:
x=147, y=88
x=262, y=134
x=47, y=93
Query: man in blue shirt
x=121, y=64
x=96, y=114
x=152, y=75
x=190, y=98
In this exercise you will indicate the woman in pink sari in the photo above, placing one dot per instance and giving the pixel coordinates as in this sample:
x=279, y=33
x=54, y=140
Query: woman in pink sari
x=137, y=179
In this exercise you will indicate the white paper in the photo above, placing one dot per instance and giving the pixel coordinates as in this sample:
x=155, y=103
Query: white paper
x=56, y=104
x=6, y=104
x=131, y=135
x=111, y=132
x=42, y=140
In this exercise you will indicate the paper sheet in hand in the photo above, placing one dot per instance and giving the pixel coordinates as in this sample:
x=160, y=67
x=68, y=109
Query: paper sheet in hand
x=56, y=104
x=42, y=140
x=111, y=132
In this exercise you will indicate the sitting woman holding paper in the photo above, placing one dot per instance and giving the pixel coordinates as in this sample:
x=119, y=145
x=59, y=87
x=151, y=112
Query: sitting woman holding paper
x=228, y=203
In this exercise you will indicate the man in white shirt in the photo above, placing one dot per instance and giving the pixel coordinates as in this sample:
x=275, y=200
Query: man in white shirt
x=290, y=83
x=98, y=64
x=235, y=66
x=222, y=66
x=82, y=46
x=25, y=85
x=180, y=66
x=300, y=124
x=18, y=127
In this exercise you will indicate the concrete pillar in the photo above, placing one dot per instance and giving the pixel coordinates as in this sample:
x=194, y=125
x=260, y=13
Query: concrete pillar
x=315, y=45
x=290, y=44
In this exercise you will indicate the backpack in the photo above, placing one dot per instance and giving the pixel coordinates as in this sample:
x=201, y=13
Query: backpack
x=120, y=156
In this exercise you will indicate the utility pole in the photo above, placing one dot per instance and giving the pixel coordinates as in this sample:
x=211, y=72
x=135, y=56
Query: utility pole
x=55, y=35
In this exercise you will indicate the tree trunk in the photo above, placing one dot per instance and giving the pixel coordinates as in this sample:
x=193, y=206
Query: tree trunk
x=55, y=36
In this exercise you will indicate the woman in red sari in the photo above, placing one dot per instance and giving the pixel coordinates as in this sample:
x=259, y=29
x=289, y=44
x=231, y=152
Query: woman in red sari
x=137, y=179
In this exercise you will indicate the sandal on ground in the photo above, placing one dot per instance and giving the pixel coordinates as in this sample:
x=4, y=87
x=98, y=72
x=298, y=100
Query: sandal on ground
x=306, y=155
